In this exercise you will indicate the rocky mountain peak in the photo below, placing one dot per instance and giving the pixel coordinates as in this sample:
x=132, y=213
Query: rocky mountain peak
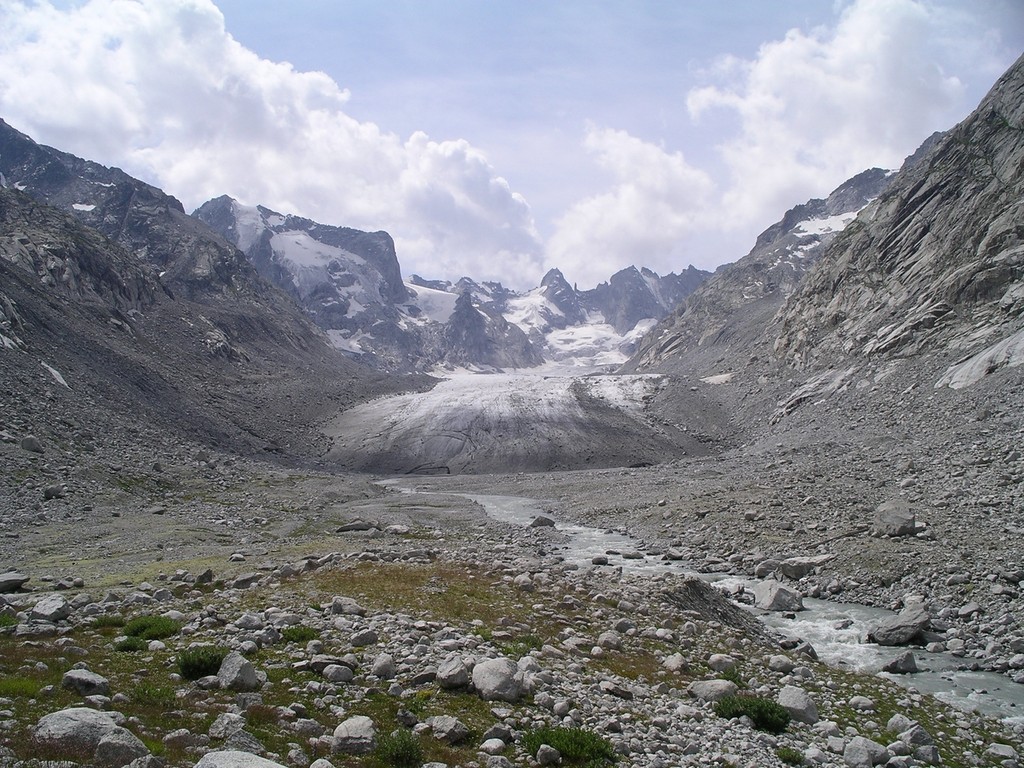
x=937, y=262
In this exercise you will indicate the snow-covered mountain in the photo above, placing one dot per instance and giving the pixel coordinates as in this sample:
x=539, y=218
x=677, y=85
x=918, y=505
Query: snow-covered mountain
x=350, y=283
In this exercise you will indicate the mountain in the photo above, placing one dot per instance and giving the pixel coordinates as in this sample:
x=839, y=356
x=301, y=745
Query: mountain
x=132, y=315
x=350, y=283
x=732, y=307
x=921, y=293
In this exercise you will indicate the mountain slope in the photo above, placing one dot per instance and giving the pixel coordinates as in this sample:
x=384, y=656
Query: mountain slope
x=935, y=264
x=728, y=311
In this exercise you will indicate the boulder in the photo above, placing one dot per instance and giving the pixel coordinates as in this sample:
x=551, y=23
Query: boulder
x=237, y=673
x=52, y=608
x=799, y=704
x=712, y=690
x=498, y=680
x=81, y=731
x=905, y=664
x=12, y=581
x=798, y=567
x=448, y=729
x=894, y=518
x=233, y=759
x=86, y=683
x=770, y=595
x=901, y=629
x=355, y=736
x=384, y=666
x=452, y=673
x=861, y=752
x=542, y=521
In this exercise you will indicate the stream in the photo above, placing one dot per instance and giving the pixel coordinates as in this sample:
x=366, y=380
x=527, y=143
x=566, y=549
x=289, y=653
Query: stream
x=835, y=629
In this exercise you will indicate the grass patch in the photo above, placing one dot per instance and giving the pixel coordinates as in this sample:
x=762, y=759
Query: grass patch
x=153, y=695
x=576, y=746
x=299, y=634
x=7, y=621
x=200, y=661
x=152, y=627
x=522, y=646
x=767, y=715
x=19, y=687
x=108, y=620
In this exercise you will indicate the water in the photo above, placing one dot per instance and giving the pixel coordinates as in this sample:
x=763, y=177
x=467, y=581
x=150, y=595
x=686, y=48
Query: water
x=835, y=629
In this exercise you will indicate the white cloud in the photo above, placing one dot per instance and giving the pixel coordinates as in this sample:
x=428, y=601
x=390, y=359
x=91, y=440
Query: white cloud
x=818, y=106
x=656, y=200
x=160, y=88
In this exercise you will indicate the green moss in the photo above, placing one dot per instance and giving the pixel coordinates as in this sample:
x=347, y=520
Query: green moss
x=299, y=634
x=790, y=756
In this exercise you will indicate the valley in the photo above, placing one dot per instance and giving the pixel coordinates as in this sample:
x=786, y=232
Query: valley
x=249, y=471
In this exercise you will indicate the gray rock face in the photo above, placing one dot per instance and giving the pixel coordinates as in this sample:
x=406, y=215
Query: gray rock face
x=448, y=729
x=894, y=518
x=711, y=690
x=861, y=752
x=51, y=608
x=740, y=299
x=86, y=683
x=237, y=673
x=498, y=680
x=452, y=673
x=771, y=595
x=355, y=736
x=799, y=704
x=936, y=259
x=901, y=629
x=12, y=581
x=233, y=759
x=87, y=731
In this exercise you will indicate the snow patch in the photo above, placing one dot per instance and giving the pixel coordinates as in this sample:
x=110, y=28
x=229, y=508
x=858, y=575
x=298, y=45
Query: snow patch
x=824, y=226
x=56, y=375
x=721, y=378
x=339, y=340
x=248, y=224
x=83, y=206
x=435, y=306
x=1007, y=353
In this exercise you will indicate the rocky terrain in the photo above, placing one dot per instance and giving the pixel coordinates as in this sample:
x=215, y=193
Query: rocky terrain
x=190, y=574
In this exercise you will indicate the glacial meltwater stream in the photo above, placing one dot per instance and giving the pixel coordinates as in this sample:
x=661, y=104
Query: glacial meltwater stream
x=836, y=630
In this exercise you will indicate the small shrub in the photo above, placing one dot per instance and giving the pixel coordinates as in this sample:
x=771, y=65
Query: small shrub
x=151, y=627
x=108, y=620
x=299, y=634
x=790, y=756
x=200, y=661
x=576, y=746
x=400, y=749
x=767, y=715
x=131, y=645
x=6, y=620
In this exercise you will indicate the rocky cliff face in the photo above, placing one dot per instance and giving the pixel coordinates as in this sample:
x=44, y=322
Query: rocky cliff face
x=936, y=264
x=730, y=310
x=167, y=328
x=149, y=223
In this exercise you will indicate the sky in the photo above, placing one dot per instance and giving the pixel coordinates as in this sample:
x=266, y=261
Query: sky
x=500, y=138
